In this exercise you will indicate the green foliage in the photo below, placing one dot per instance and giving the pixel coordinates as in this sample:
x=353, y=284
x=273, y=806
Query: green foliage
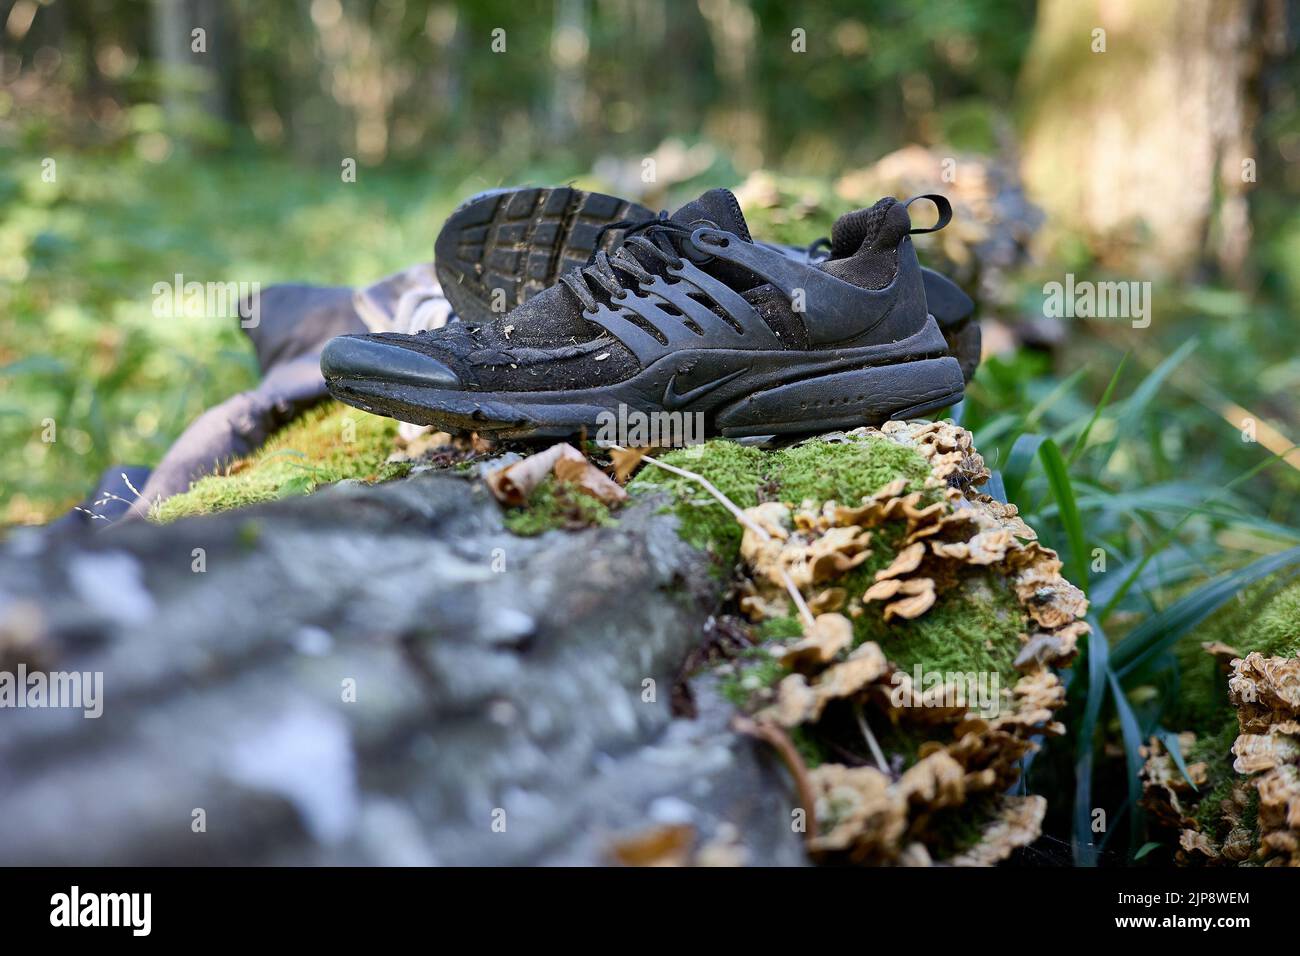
x=79, y=259
x=1156, y=511
x=431, y=70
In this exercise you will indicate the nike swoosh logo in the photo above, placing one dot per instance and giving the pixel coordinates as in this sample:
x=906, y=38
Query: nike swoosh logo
x=674, y=400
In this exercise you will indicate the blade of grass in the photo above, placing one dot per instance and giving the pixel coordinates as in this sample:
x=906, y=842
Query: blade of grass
x=1170, y=740
x=1162, y=630
x=1061, y=389
x=1058, y=479
x=1170, y=565
x=1132, y=734
x=1136, y=403
x=1146, y=848
x=1172, y=532
x=1082, y=441
x=1004, y=424
x=995, y=487
x=1019, y=461
x=1085, y=850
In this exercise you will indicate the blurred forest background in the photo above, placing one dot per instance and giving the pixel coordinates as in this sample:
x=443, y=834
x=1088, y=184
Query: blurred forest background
x=1153, y=141
x=145, y=138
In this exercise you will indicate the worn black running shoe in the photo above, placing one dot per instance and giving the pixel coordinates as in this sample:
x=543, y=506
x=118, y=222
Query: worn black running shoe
x=504, y=246
x=688, y=315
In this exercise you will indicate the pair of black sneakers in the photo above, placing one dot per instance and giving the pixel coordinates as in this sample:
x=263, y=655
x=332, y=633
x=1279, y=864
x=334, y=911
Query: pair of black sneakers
x=574, y=306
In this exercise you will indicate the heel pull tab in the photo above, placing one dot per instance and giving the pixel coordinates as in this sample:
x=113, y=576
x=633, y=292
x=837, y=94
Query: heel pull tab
x=941, y=204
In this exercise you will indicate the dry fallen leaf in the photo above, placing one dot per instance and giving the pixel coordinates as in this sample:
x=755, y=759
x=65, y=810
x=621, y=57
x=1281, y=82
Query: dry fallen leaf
x=579, y=470
x=513, y=484
x=626, y=461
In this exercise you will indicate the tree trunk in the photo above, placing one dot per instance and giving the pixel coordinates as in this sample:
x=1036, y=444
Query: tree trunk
x=370, y=675
x=1137, y=127
x=569, y=44
x=733, y=31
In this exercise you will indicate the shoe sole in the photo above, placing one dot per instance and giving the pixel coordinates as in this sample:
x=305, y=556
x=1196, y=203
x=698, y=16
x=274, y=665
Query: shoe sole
x=520, y=241
x=761, y=393
x=504, y=246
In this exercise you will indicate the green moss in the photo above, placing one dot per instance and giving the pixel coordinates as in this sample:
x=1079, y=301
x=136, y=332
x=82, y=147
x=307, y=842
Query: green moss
x=1262, y=619
x=1209, y=812
x=780, y=629
x=736, y=471
x=751, y=672
x=557, y=504
x=817, y=470
x=812, y=748
x=955, y=830
x=325, y=445
x=1250, y=816
x=975, y=627
x=843, y=472
x=1215, y=751
x=1277, y=632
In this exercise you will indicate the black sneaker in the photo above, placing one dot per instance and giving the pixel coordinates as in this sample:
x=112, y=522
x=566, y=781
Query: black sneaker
x=688, y=315
x=504, y=246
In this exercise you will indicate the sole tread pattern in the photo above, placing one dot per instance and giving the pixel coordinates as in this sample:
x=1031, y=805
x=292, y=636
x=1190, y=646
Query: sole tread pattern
x=520, y=242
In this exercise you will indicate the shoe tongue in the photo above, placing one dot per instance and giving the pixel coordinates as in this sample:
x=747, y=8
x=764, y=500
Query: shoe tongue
x=718, y=206
x=863, y=226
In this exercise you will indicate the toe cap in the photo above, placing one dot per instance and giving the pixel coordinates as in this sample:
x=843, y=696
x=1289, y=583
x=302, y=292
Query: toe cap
x=360, y=356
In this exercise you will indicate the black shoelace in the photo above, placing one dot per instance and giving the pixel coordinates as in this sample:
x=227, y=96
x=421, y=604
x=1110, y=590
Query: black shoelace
x=654, y=237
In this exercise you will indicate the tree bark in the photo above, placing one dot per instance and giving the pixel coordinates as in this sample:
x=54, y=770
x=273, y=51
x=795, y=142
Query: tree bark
x=1145, y=146
x=371, y=675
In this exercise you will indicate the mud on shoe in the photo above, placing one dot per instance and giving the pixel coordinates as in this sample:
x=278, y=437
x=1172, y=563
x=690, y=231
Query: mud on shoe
x=688, y=316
